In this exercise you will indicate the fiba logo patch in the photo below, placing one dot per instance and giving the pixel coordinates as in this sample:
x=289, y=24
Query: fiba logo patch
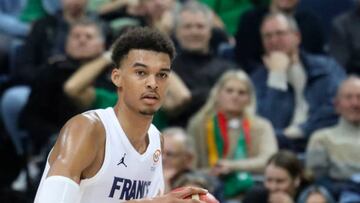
x=156, y=155
x=156, y=158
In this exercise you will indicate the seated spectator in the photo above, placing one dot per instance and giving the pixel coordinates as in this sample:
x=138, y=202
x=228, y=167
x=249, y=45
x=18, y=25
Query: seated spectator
x=44, y=114
x=178, y=155
x=345, y=40
x=44, y=44
x=219, y=41
x=196, y=65
x=298, y=84
x=51, y=31
x=178, y=163
x=333, y=152
x=230, y=139
x=284, y=180
x=316, y=194
x=249, y=49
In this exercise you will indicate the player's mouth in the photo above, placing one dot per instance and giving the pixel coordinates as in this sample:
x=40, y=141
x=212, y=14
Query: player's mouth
x=150, y=98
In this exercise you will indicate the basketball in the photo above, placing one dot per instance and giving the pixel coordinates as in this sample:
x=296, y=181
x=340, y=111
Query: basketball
x=208, y=197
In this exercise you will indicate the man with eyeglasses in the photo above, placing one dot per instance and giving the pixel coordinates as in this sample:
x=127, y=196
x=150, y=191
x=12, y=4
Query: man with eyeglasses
x=248, y=49
x=294, y=89
x=178, y=154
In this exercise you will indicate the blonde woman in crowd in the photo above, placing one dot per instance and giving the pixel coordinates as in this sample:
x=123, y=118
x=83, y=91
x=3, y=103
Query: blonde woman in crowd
x=231, y=141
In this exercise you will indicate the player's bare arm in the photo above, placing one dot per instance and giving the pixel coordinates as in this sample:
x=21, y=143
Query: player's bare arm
x=79, y=150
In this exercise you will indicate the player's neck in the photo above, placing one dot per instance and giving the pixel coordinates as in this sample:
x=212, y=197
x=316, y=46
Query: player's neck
x=135, y=127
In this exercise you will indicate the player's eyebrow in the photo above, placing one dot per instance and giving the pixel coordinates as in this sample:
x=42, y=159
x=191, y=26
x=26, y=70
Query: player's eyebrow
x=166, y=70
x=138, y=64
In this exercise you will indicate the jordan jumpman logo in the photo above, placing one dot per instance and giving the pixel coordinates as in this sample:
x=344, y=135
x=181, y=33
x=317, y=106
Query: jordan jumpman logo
x=122, y=160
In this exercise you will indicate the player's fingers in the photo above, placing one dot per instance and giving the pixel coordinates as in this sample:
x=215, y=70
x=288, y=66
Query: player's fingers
x=195, y=190
x=188, y=191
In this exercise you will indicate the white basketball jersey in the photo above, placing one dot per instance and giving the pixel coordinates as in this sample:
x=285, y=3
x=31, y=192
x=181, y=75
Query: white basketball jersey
x=125, y=174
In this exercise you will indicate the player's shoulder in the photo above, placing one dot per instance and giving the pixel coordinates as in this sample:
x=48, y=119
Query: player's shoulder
x=154, y=131
x=85, y=126
x=88, y=119
x=83, y=135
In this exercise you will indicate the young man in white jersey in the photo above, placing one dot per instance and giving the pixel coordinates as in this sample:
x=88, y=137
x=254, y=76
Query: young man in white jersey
x=114, y=154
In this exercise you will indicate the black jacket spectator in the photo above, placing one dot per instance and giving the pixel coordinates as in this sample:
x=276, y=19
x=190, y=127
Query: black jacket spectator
x=48, y=107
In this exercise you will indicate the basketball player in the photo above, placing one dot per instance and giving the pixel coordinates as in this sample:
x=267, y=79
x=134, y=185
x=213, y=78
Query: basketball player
x=114, y=154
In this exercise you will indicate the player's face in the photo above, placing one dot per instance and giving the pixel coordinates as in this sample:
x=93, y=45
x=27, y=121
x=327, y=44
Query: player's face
x=278, y=179
x=142, y=80
x=233, y=97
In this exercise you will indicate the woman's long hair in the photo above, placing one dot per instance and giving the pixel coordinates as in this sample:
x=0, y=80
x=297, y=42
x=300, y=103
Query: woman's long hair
x=210, y=106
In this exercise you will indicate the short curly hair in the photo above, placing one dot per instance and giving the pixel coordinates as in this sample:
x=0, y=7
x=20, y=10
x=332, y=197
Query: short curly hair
x=141, y=38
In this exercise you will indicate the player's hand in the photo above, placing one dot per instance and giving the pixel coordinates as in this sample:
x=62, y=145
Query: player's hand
x=178, y=196
x=280, y=197
x=276, y=61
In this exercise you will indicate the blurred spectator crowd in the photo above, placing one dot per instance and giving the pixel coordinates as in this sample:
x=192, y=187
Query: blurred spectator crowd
x=263, y=103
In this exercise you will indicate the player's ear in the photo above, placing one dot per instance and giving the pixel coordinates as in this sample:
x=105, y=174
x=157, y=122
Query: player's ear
x=116, y=76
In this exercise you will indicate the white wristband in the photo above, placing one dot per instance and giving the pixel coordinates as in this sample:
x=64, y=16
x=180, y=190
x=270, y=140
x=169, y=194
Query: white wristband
x=58, y=189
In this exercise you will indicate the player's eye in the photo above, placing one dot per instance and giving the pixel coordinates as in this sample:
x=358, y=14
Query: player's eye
x=163, y=75
x=140, y=73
